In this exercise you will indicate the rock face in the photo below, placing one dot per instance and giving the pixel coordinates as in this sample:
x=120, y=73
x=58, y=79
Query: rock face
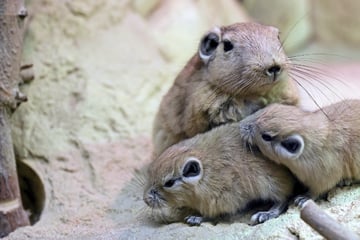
x=292, y=17
x=101, y=68
x=340, y=26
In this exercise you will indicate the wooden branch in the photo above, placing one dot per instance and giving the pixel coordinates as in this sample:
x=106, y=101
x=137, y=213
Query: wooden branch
x=12, y=14
x=321, y=222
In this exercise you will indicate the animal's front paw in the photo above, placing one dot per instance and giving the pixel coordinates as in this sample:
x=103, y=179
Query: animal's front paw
x=344, y=183
x=194, y=220
x=261, y=217
x=273, y=212
x=300, y=200
x=224, y=112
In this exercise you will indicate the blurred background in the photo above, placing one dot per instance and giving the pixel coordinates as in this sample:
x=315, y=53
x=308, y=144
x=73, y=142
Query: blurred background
x=101, y=68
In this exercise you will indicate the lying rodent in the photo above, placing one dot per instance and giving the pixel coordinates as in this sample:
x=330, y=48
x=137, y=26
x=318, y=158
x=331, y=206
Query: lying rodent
x=214, y=174
x=238, y=69
x=320, y=148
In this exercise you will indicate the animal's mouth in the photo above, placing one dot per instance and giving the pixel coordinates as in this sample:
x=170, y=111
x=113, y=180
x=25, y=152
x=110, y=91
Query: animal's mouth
x=154, y=199
x=247, y=132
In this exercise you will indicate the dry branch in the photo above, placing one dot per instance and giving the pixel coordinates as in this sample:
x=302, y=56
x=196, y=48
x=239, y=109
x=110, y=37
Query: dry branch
x=12, y=15
x=321, y=222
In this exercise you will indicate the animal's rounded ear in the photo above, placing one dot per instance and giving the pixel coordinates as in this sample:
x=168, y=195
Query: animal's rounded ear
x=192, y=170
x=291, y=147
x=209, y=43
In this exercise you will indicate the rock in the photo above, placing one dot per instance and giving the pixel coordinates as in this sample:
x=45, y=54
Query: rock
x=83, y=8
x=224, y=12
x=292, y=17
x=175, y=24
x=184, y=22
x=336, y=22
x=145, y=7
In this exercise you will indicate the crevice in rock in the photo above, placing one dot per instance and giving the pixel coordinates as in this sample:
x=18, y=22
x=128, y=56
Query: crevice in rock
x=294, y=233
x=32, y=191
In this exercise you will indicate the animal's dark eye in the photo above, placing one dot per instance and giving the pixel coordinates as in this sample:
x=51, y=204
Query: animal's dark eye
x=169, y=183
x=267, y=137
x=191, y=169
x=228, y=45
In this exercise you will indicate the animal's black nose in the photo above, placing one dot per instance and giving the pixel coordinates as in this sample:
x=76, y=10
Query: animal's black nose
x=273, y=71
x=153, y=192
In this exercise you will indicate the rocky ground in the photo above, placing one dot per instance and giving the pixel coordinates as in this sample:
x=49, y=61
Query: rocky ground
x=101, y=68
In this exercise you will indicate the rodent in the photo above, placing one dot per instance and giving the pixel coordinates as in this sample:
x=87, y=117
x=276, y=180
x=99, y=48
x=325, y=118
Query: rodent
x=320, y=148
x=213, y=174
x=237, y=70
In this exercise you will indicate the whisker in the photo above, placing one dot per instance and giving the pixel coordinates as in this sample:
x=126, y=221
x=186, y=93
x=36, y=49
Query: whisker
x=141, y=212
x=159, y=215
x=309, y=94
x=328, y=73
x=282, y=43
x=250, y=148
x=312, y=75
x=301, y=76
x=301, y=56
x=321, y=62
x=139, y=180
x=318, y=70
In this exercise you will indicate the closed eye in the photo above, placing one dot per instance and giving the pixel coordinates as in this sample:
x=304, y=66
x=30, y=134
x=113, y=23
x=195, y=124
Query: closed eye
x=169, y=183
x=267, y=137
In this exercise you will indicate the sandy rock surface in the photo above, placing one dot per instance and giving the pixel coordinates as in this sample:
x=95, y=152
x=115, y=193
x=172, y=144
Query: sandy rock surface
x=101, y=68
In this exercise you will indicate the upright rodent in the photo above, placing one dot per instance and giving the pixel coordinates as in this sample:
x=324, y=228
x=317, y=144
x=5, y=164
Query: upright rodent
x=238, y=69
x=320, y=148
x=214, y=174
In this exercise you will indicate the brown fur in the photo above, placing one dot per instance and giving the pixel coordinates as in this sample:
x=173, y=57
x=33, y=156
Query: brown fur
x=331, y=139
x=232, y=176
x=226, y=88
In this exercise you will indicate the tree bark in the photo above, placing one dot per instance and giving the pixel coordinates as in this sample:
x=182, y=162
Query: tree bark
x=12, y=15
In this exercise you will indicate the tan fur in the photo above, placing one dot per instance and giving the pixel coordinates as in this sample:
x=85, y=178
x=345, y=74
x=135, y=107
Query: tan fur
x=331, y=141
x=229, y=87
x=232, y=176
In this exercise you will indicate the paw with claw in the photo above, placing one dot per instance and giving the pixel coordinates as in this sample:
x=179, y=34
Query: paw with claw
x=194, y=220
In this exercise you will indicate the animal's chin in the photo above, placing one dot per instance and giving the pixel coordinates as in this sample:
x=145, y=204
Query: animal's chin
x=249, y=141
x=283, y=76
x=153, y=203
x=258, y=88
x=254, y=149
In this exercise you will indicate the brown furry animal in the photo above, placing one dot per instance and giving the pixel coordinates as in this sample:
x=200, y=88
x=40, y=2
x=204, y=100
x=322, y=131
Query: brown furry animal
x=214, y=174
x=238, y=69
x=320, y=148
